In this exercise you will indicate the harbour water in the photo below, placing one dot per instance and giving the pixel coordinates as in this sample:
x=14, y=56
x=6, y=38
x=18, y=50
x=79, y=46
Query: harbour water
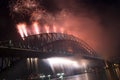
x=33, y=68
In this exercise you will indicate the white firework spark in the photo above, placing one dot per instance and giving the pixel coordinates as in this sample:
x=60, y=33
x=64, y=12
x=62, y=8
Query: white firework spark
x=41, y=21
x=23, y=6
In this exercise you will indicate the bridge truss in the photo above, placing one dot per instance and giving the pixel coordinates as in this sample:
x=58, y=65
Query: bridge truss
x=43, y=46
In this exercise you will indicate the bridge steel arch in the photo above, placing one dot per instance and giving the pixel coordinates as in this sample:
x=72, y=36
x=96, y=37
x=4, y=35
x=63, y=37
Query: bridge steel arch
x=55, y=43
x=44, y=45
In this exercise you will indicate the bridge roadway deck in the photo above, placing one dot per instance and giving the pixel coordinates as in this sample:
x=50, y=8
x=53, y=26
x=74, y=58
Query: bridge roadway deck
x=17, y=52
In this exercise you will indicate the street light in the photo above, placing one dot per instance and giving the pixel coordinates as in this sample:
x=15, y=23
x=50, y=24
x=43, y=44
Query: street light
x=42, y=77
x=49, y=76
x=60, y=75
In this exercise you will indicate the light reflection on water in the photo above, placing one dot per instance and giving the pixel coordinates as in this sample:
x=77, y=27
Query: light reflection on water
x=106, y=74
x=79, y=77
x=30, y=66
x=33, y=64
x=85, y=76
x=63, y=64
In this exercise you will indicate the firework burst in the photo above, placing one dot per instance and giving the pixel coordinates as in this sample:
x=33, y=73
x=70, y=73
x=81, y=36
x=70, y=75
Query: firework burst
x=23, y=7
x=40, y=21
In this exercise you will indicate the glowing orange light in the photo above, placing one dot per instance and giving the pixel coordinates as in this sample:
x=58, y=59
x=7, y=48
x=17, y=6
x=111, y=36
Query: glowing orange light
x=47, y=29
x=62, y=30
x=24, y=29
x=54, y=29
x=36, y=28
x=20, y=30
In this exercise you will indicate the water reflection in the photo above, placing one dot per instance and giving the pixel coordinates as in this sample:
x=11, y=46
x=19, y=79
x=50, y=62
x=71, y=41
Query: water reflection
x=117, y=70
x=86, y=68
x=85, y=76
x=112, y=71
x=32, y=64
x=33, y=68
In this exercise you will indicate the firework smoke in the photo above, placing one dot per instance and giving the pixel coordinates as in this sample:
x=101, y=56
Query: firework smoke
x=23, y=6
x=40, y=20
x=67, y=17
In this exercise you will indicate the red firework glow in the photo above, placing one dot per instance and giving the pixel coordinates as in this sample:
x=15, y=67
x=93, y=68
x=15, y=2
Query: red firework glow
x=41, y=21
x=25, y=30
x=22, y=29
x=54, y=29
x=47, y=29
x=36, y=28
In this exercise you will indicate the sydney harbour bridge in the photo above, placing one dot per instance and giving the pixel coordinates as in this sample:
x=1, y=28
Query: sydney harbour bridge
x=43, y=46
x=46, y=45
x=46, y=48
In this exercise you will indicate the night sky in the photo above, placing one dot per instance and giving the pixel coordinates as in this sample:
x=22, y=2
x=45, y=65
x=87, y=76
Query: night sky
x=105, y=16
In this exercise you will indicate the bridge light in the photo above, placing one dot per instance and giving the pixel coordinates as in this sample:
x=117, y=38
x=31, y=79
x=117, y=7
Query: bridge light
x=49, y=76
x=60, y=75
x=36, y=59
x=42, y=76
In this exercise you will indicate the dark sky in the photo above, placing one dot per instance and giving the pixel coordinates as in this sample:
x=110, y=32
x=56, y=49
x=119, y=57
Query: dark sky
x=106, y=11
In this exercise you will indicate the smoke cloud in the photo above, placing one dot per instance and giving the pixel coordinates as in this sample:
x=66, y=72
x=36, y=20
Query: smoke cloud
x=77, y=18
x=95, y=24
